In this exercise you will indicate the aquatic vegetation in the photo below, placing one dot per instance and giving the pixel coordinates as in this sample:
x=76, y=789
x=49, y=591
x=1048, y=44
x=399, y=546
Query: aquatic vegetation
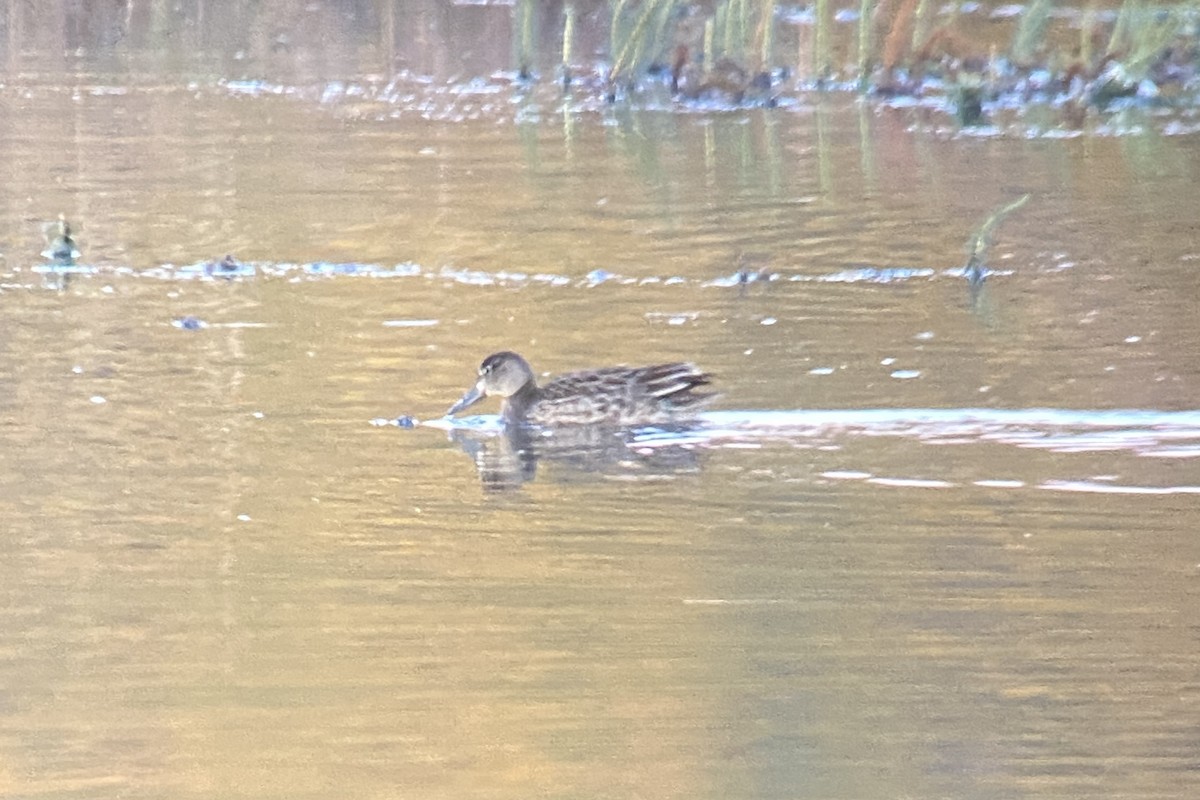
x=1030, y=36
x=865, y=9
x=978, y=62
x=61, y=249
x=1143, y=36
x=523, y=41
x=568, y=38
x=1146, y=49
x=725, y=56
x=727, y=52
x=981, y=240
x=637, y=40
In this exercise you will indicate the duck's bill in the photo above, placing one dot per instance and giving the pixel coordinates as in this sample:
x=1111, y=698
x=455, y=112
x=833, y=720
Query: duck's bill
x=473, y=396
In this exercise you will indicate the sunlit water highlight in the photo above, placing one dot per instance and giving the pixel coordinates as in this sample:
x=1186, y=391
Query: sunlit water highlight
x=1138, y=430
x=1142, y=432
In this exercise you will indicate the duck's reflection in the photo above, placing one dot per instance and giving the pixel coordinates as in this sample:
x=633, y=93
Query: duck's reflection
x=509, y=459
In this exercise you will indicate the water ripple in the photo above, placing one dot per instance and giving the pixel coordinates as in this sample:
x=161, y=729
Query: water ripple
x=205, y=271
x=1140, y=432
x=1143, y=432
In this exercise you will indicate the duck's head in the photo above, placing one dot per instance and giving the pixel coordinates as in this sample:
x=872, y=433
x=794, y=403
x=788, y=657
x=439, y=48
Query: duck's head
x=500, y=375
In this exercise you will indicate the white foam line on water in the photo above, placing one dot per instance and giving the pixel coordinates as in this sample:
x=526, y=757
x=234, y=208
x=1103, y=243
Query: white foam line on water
x=1164, y=423
x=1107, y=488
x=912, y=483
x=1140, y=432
x=1021, y=426
x=410, y=323
x=1175, y=452
x=1143, y=432
x=845, y=475
x=730, y=601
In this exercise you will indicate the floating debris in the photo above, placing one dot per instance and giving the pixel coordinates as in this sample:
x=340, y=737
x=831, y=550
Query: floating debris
x=599, y=276
x=228, y=267
x=60, y=245
x=753, y=268
x=189, y=323
x=405, y=422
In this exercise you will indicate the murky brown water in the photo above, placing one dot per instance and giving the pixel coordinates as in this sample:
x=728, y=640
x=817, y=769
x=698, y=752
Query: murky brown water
x=220, y=580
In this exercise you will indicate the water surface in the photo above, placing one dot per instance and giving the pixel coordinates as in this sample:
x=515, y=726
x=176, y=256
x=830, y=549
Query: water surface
x=929, y=542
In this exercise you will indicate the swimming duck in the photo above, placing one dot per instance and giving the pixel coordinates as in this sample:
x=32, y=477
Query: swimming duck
x=623, y=396
x=61, y=248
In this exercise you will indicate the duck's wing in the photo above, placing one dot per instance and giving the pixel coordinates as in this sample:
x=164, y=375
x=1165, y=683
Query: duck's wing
x=622, y=395
x=675, y=383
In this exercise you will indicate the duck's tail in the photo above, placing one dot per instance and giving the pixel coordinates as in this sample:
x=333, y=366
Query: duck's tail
x=676, y=383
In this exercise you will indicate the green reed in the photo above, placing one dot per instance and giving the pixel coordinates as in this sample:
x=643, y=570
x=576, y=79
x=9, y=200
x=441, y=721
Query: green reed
x=921, y=23
x=1087, y=27
x=743, y=31
x=733, y=34
x=647, y=35
x=822, y=61
x=981, y=240
x=1142, y=34
x=525, y=38
x=866, y=8
x=765, y=34
x=567, y=39
x=740, y=30
x=1121, y=30
x=1030, y=35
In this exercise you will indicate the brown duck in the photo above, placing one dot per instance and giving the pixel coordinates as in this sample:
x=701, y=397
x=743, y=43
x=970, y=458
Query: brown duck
x=621, y=396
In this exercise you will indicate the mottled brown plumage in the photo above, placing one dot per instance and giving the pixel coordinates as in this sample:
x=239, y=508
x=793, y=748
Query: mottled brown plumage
x=623, y=396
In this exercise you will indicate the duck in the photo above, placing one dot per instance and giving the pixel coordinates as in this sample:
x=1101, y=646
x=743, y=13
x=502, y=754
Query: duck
x=61, y=249
x=618, y=396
